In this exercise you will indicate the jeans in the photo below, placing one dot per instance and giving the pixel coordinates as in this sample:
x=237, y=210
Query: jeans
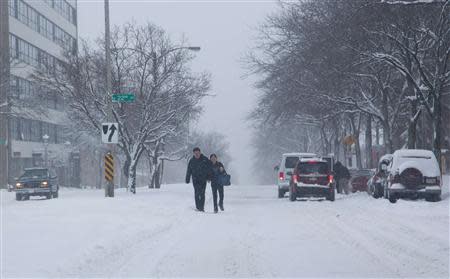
x=199, y=194
x=217, y=188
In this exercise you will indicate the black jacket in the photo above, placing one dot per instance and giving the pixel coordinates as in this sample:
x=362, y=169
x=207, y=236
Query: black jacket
x=216, y=172
x=200, y=169
x=341, y=172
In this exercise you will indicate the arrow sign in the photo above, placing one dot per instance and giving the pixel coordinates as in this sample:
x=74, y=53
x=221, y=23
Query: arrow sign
x=110, y=133
x=112, y=130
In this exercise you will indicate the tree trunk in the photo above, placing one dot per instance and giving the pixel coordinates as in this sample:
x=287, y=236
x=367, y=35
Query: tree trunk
x=437, y=126
x=412, y=125
x=368, y=142
x=356, y=131
x=150, y=172
x=131, y=185
x=387, y=137
x=337, y=142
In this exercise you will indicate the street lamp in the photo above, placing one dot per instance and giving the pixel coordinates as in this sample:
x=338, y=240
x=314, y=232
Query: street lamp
x=46, y=138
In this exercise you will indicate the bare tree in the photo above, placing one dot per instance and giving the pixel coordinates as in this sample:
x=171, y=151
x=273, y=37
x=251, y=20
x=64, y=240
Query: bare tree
x=145, y=63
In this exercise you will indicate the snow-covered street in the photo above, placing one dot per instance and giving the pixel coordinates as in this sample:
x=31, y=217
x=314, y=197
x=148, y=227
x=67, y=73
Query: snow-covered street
x=157, y=233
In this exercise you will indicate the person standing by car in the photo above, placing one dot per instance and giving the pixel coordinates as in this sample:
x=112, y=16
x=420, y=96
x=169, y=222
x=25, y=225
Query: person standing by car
x=216, y=183
x=342, y=177
x=199, y=168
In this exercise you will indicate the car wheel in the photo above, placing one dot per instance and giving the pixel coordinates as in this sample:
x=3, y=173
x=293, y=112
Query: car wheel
x=392, y=198
x=331, y=195
x=18, y=197
x=26, y=197
x=55, y=195
x=433, y=198
x=49, y=196
x=280, y=194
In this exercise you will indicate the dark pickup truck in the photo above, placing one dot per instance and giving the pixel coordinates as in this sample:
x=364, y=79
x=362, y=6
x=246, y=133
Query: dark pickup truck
x=36, y=182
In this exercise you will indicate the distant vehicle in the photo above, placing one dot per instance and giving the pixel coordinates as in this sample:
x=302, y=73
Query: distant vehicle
x=312, y=178
x=285, y=169
x=413, y=173
x=375, y=185
x=36, y=182
x=359, y=179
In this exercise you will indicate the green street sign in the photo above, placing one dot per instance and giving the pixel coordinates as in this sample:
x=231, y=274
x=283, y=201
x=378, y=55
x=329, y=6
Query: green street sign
x=2, y=142
x=123, y=98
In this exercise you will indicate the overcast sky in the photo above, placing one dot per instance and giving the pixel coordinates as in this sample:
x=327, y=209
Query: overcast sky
x=224, y=30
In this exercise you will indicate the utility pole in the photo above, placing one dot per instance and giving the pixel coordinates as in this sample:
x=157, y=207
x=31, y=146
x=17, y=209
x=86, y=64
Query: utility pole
x=5, y=105
x=109, y=189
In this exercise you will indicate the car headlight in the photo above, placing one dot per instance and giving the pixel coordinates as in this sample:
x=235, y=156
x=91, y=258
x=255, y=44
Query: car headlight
x=44, y=184
x=18, y=185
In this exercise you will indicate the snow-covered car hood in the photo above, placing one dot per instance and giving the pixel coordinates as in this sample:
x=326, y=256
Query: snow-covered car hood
x=428, y=170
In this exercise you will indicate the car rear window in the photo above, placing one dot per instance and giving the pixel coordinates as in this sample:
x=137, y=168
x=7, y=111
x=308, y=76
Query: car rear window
x=291, y=162
x=313, y=167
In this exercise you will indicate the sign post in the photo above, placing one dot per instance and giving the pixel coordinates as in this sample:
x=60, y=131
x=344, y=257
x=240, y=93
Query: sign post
x=109, y=174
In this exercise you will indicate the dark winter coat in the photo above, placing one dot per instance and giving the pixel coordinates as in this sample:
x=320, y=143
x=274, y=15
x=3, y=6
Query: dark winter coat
x=215, y=181
x=341, y=171
x=200, y=169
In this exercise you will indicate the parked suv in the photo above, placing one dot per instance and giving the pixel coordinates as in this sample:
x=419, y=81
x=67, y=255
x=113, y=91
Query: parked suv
x=36, y=182
x=377, y=181
x=413, y=173
x=312, y=178
x=285, y=169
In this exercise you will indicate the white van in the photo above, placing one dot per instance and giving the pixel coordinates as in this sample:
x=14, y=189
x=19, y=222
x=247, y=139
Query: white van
x=287, y=165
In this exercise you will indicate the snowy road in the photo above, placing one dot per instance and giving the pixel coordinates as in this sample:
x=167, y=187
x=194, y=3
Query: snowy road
x=157, y=233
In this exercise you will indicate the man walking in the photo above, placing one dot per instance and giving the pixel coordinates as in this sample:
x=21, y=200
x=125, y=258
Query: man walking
x=200, y=169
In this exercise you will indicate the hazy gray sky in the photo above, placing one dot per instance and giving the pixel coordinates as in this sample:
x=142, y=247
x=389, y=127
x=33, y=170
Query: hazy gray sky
x=224, y=30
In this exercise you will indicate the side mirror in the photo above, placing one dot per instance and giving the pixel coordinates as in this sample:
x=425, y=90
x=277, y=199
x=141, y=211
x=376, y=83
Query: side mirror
x=53, y=177
x=16, y=178
x=276, y=168
x=289, y=173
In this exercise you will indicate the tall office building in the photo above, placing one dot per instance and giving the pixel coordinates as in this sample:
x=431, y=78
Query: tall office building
x=34, y=34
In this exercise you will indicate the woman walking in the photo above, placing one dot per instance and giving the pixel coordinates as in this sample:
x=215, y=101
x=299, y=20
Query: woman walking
x=216, y=184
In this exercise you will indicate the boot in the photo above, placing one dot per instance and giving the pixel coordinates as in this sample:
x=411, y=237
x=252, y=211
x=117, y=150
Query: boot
x=221, y=207
x=216, y=209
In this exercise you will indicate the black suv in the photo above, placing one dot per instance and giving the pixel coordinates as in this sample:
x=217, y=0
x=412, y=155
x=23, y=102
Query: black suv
x=312, y=178
x=36, y=182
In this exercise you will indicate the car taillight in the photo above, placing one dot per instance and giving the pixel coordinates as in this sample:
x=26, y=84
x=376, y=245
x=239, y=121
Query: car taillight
x=295, y=178
x=281, y=175
x=330, y=178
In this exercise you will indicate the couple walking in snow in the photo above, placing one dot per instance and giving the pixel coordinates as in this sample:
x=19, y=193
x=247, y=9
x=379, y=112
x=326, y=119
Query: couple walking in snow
x=202, y=170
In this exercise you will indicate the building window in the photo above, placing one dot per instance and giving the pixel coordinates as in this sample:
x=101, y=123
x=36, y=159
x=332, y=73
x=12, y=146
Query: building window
x=12, y=8
x=28, y=53
x=36, y=132
x=33, y=19
x=46, y=28
x=22, y=12
x=13, y=46
x=26, y=130
x=64, y=9
x=39, y=23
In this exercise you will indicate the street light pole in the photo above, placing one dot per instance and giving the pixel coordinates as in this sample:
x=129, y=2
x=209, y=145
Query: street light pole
x=46, y=138
x=109, y=189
